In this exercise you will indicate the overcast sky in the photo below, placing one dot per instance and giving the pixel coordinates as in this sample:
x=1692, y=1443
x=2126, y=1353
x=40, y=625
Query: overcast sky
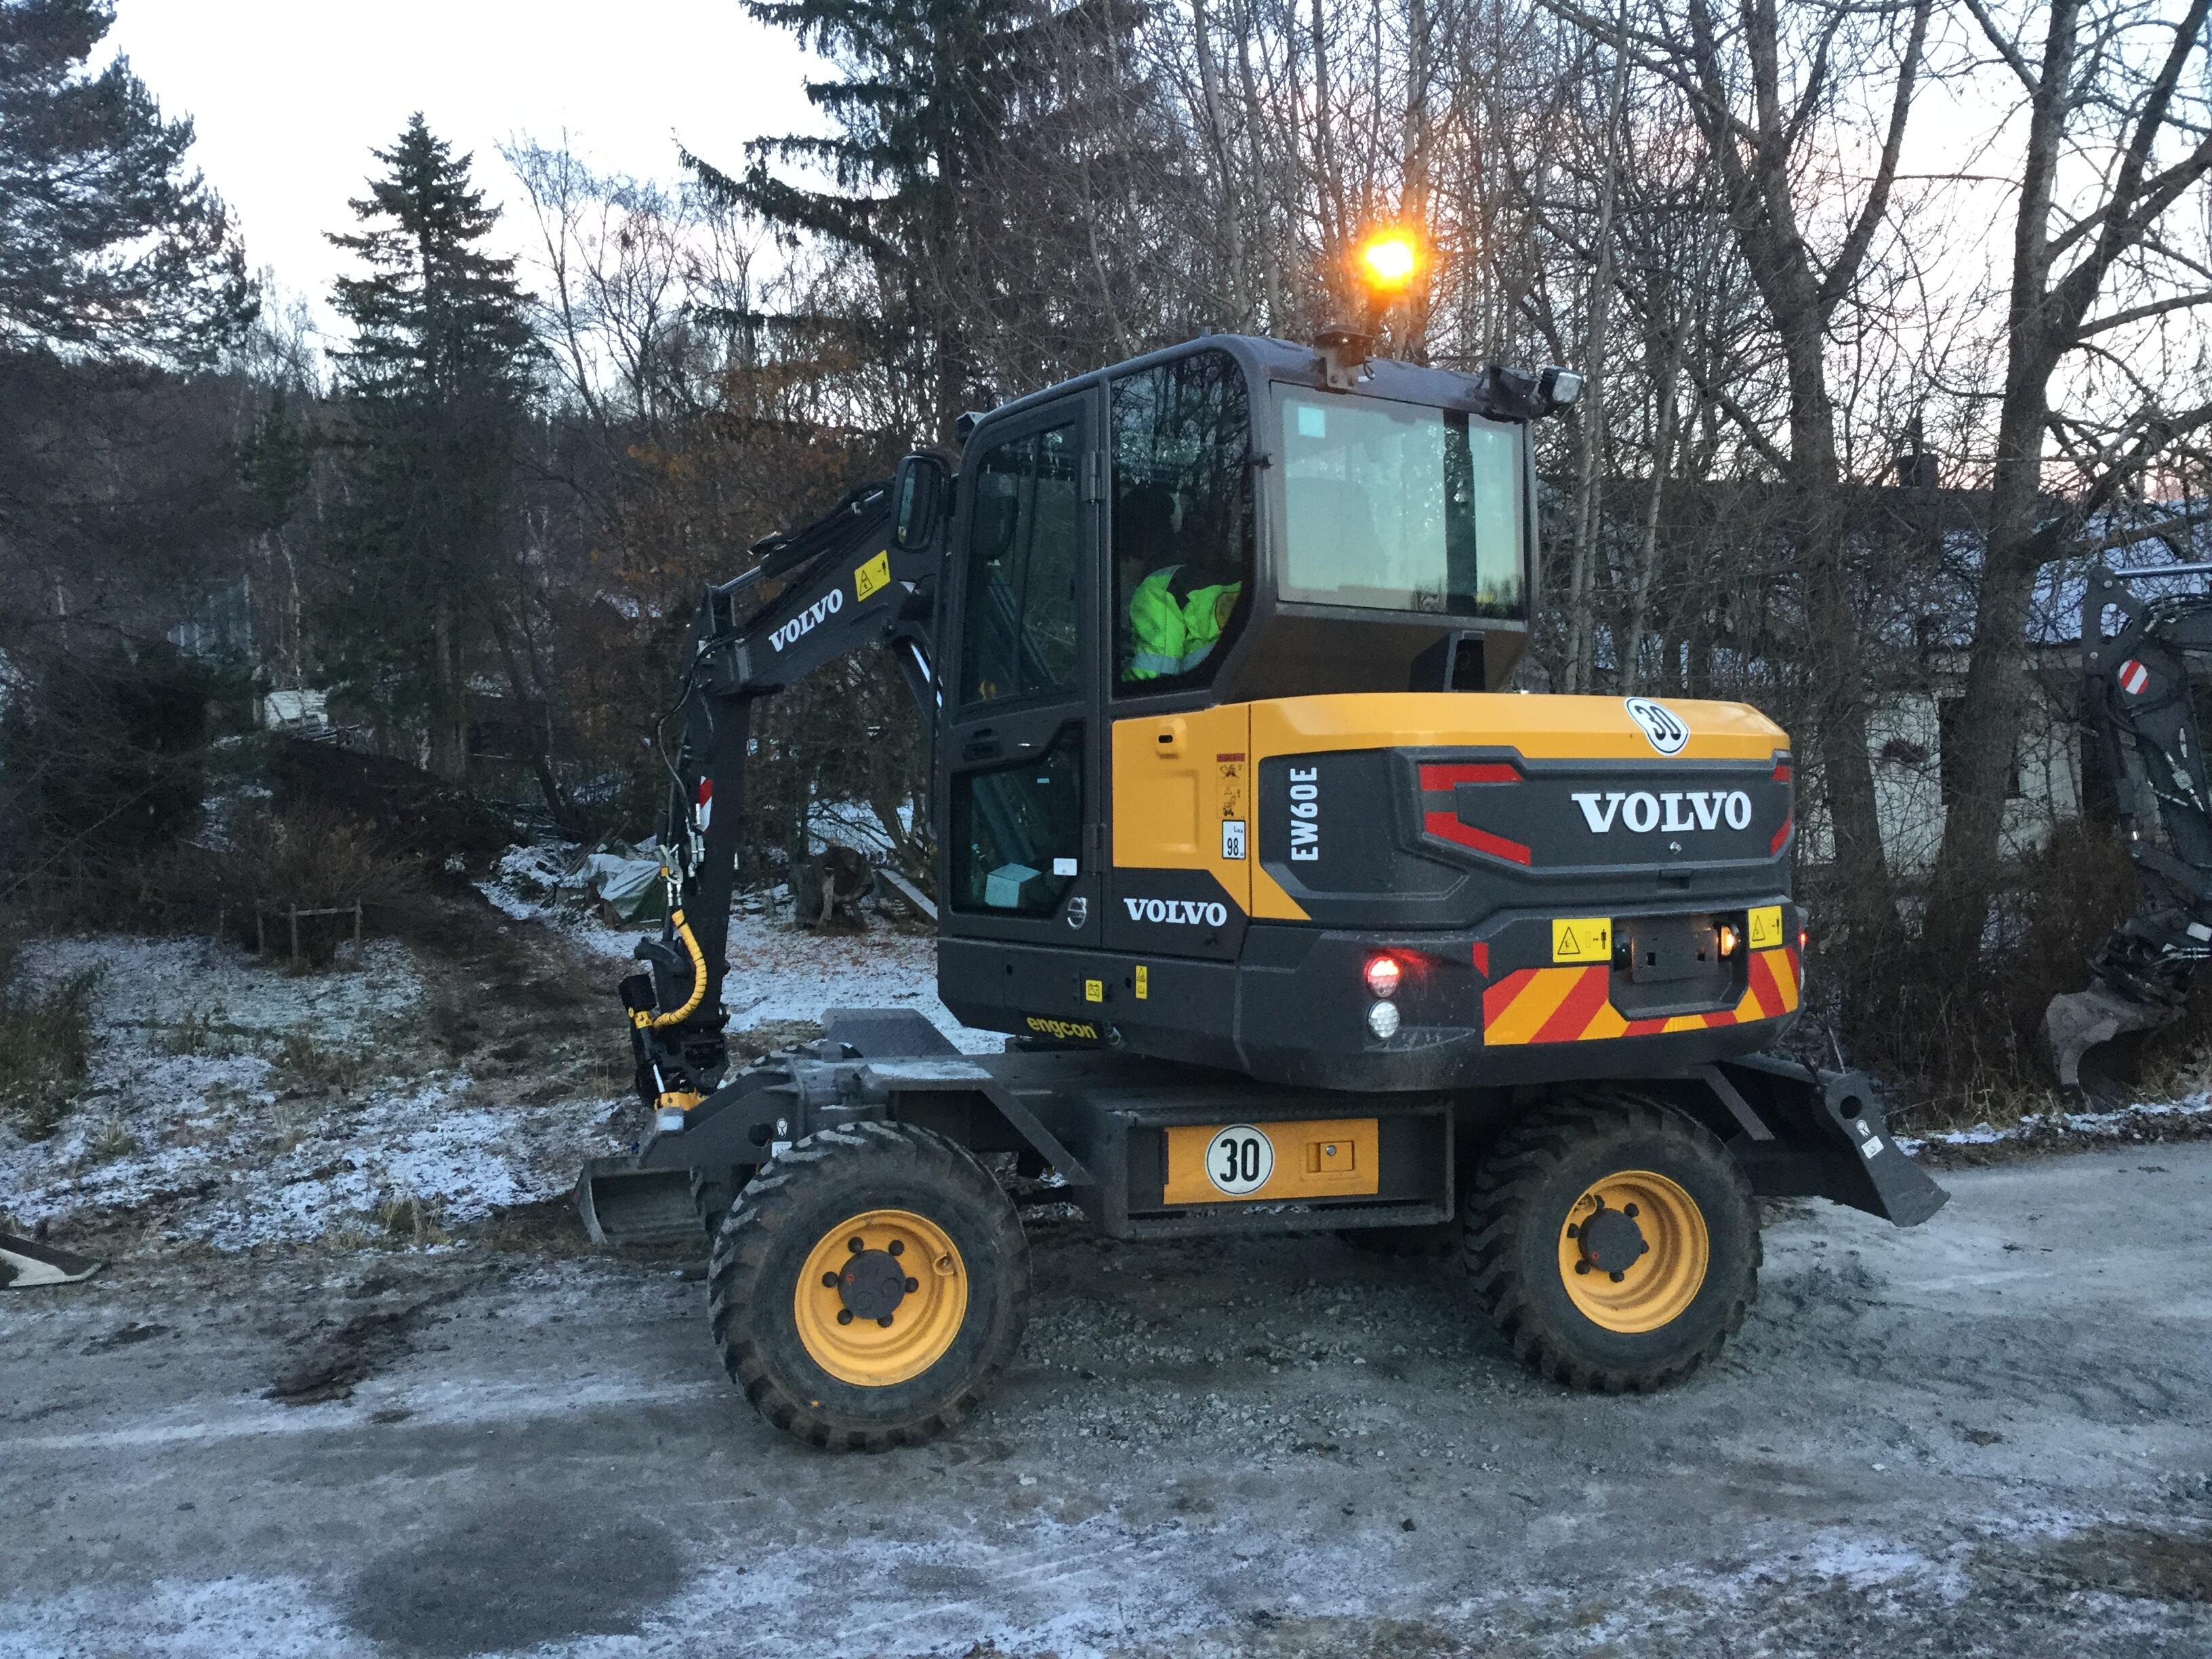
x=289, y=97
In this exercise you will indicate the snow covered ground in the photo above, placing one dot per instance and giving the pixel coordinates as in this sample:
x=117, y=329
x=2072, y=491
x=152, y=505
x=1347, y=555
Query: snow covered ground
x=2144, y=1120
x=232, y=1104
x=777, y=972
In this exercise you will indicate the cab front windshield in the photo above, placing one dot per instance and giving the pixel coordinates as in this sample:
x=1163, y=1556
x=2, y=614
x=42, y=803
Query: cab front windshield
x=1399, y=507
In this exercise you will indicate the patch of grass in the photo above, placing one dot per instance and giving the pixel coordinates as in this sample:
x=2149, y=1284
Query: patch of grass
x=195, y=1033
x=112, y=1140
x=405, y=1219
x=45, y=1052
x=313, y=1066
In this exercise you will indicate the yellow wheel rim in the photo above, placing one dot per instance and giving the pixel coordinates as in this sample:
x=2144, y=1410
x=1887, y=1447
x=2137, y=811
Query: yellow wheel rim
x=903, y=1290
x=1641, y=1265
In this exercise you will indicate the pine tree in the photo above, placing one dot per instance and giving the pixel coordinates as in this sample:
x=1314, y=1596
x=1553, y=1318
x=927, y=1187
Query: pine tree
x=109, y=243
x=925, y=90
x=434, y=384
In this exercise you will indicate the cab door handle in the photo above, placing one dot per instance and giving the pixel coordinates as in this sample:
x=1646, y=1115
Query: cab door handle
x=982, y=746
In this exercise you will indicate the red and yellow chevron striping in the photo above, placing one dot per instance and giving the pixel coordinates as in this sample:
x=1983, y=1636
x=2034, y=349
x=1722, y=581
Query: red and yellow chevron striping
x=1573, y=1005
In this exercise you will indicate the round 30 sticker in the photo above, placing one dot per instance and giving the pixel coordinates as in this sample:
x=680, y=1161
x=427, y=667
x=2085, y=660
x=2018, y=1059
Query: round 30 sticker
x=1240, y=1159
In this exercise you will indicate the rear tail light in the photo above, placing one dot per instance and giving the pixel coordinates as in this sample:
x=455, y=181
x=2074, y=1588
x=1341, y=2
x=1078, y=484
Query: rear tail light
x=1382, y=975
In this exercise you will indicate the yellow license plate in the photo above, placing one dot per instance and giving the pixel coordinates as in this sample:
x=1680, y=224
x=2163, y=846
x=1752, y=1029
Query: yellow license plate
x=1262, y=1163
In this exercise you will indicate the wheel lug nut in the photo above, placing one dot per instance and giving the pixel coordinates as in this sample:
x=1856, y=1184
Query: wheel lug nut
x=1582, y=1267
x=1644, y=1248
x=828, y=1281
x=844, y=1315
x=855, y=1246
x=897, y=1247
x=885, y=1321
x=1629, y=1210
x=1573, y=1231
x=1617, y=1278
x=912, y=1285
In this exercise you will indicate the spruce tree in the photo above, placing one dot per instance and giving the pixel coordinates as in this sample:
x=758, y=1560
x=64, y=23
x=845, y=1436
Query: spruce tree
x=923, y=101
x=434, y=384
x=110, y=243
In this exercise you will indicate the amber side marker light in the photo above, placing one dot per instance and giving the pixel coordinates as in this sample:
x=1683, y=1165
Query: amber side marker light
x=1728, y=940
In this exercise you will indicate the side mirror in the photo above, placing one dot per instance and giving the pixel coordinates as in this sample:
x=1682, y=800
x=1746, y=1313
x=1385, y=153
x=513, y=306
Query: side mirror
x=919, y=490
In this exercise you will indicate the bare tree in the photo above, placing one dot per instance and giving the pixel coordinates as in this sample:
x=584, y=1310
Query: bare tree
x=2117, y=137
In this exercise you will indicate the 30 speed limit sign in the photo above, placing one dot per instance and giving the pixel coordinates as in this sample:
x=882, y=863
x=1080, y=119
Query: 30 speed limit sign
x=1240, y=1159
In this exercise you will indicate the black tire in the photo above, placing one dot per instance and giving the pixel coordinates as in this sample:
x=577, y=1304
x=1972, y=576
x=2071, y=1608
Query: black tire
x=1521, y=1198
x=1434, y=1240
x=763, y=1247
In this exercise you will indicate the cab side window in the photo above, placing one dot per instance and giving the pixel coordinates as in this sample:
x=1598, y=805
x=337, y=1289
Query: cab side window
x=1183, y=536
x=1018, y=633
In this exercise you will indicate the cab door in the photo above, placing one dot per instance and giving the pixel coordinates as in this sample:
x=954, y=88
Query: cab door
x=1020, y=768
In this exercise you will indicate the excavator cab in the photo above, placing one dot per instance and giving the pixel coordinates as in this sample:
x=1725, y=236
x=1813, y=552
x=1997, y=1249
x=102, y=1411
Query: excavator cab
x=1223, y=645
x=1292, y=916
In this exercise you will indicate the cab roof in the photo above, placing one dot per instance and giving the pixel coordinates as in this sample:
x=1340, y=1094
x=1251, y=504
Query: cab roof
x=1265, y=359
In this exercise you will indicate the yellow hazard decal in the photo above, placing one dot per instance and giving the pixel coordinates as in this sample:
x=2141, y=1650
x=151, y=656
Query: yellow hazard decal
x=1144, y=983
x=1094, y=990
x=1764, y=928
x=873, y=576
x=1582, y=938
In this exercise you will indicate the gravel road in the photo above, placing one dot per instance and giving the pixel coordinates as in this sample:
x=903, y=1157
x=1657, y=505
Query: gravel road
x=1993, y=1435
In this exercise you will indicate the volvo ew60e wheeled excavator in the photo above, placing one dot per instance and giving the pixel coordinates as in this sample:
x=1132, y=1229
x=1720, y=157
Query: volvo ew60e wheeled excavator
x=1292, y=920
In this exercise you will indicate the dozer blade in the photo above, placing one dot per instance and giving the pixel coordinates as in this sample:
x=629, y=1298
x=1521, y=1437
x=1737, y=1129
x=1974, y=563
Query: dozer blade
x=2079, y=1021
x=26, y=1264
x=621, y=1204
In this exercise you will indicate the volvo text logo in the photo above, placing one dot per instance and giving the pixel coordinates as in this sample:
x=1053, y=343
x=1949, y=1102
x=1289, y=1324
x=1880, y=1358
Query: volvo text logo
x=1641, y=813
x=1667, y=730
x=828, y=604
x=1187, y=912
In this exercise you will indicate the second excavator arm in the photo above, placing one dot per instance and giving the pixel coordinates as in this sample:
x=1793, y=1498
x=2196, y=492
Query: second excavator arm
x=2134, y=666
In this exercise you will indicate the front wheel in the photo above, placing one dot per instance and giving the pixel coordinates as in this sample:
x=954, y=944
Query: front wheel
x=868, y=1287
x=1614, y=1242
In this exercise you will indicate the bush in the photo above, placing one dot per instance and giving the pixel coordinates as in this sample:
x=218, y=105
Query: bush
x=1964, y=1041
x=44, y=1048
x=106, y=758
x=268, y=866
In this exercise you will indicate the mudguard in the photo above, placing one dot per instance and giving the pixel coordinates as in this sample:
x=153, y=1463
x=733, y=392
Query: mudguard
x=1810, y=1133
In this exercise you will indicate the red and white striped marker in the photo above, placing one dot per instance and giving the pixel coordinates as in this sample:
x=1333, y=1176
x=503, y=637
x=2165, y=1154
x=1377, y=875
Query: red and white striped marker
x=706, y=802
x=2133, y=677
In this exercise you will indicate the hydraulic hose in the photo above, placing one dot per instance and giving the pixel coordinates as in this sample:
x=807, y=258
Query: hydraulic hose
x=678, y=1016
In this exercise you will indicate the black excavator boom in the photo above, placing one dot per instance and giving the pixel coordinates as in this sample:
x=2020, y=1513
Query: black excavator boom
x=2134, y=665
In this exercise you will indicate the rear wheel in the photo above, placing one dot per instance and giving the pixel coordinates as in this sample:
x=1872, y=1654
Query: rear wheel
x=1614, y=1242
x=868, y=1287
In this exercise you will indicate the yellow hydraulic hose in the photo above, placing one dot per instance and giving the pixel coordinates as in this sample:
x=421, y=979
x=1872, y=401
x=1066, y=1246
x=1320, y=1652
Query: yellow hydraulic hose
x=676, y=1017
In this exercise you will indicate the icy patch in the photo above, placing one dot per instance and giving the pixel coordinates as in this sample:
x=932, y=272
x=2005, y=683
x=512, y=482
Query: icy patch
x=2145, y=1121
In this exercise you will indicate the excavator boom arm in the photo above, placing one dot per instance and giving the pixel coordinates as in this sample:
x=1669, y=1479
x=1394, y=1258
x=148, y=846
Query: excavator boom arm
x=865, y=573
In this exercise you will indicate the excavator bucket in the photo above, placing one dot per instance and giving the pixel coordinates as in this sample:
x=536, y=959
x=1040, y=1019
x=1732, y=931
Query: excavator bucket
x=26, y=1264
x=622, y=1204
x=2079, y=1023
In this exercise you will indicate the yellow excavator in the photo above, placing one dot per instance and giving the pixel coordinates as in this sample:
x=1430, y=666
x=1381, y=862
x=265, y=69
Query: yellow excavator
x=1292, y=917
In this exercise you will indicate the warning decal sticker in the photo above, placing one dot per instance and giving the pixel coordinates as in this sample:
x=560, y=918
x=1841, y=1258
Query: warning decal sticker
x=1582, y=938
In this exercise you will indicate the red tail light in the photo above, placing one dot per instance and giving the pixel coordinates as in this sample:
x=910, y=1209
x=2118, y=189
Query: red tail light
x=1382, y=975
